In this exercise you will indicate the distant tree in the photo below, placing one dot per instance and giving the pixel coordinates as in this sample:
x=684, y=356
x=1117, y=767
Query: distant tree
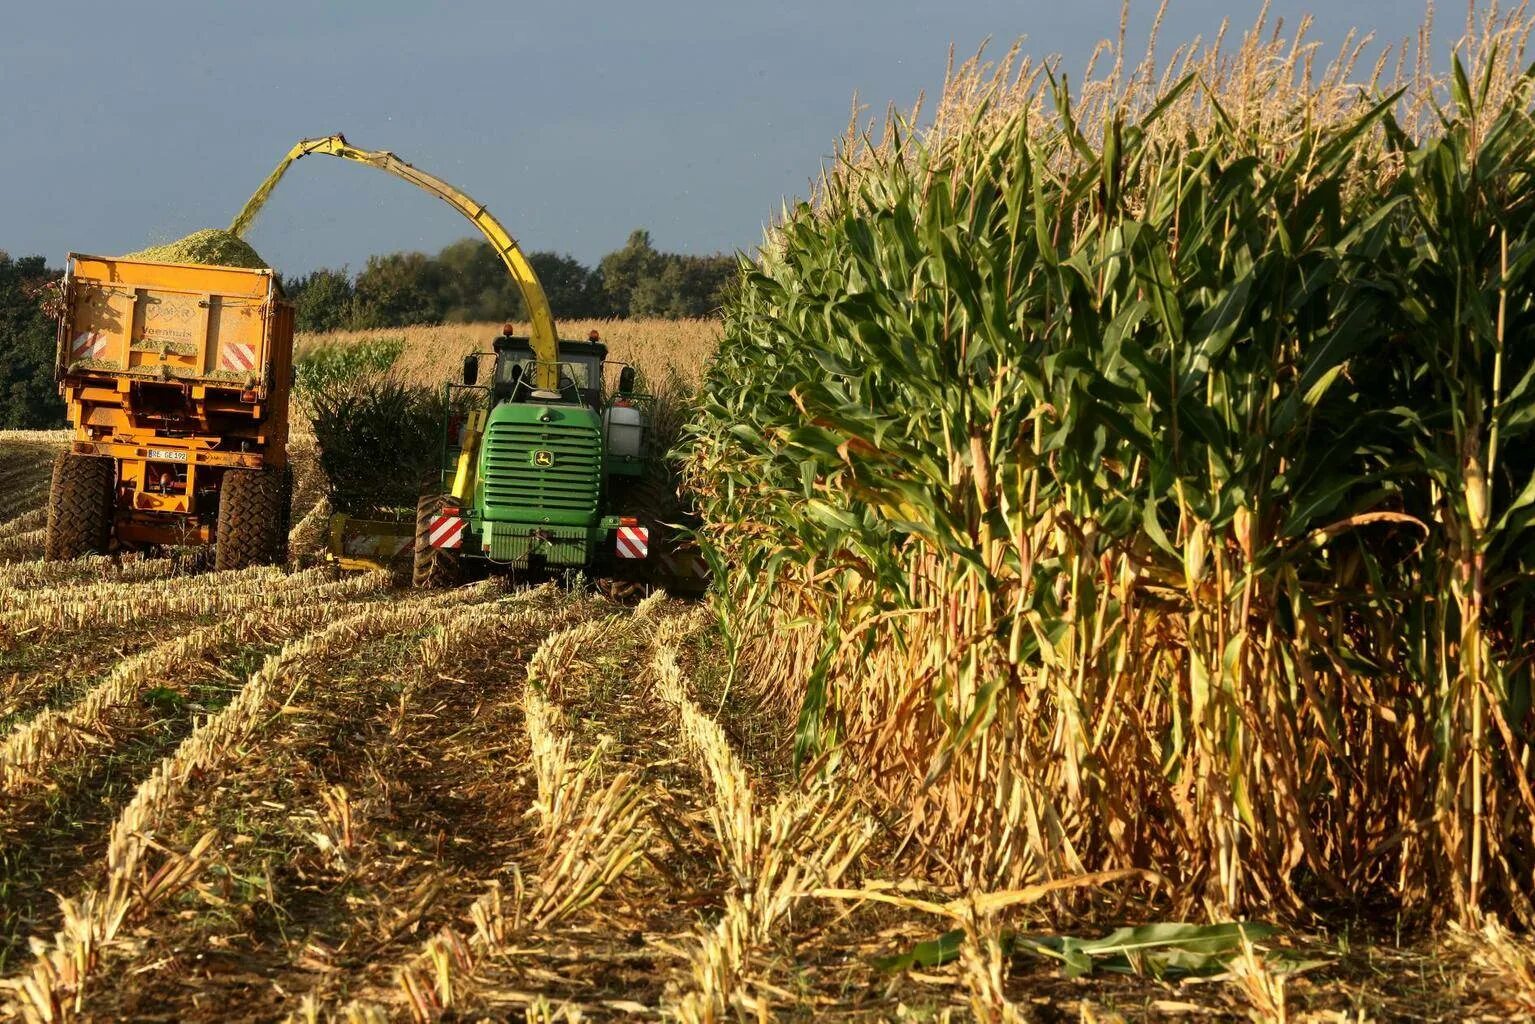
x=682, y=285
x=28, y=333
x=475, y=284
x=322, y=300
x=699, y=283
x=467, y=282
x=631, y=270
x=398, y=289
x=575, y=291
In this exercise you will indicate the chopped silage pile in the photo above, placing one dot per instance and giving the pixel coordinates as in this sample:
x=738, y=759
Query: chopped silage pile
x=212, y=247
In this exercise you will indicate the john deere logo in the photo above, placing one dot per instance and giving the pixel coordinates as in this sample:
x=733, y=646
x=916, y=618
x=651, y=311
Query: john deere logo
x=543, y=458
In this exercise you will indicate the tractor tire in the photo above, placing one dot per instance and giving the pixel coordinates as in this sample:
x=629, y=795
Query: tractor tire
x=80, y=506
x=652, y=499
x=434, y=568
x=249, y=530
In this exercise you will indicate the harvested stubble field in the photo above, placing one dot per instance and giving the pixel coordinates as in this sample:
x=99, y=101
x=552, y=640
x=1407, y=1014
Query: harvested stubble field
x=268, y=794
x=978, y=727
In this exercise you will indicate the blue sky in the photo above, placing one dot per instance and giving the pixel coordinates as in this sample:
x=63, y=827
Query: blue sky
x=123, y=125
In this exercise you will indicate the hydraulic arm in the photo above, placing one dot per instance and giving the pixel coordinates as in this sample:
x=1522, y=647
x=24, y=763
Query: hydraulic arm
x=544, y=341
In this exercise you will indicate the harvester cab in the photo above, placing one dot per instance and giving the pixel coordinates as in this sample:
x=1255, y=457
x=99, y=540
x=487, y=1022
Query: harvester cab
x=581, y=374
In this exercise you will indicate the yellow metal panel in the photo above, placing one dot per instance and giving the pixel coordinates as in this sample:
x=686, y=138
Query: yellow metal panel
x=144, y=372
x=164, y=321
x=177, y=277
x=463, y=480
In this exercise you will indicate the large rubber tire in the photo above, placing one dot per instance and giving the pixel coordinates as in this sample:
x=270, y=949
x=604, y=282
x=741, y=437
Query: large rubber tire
x=652, y=499
x=433, y=568
x=251, y=517
x=80, y=507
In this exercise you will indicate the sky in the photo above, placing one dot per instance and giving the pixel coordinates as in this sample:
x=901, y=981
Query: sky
x=126, y=125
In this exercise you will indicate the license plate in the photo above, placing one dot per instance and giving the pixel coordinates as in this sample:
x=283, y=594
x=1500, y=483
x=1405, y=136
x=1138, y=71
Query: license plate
x=168, y=454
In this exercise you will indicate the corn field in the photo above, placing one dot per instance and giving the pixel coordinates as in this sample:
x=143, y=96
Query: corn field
x=1137, y=476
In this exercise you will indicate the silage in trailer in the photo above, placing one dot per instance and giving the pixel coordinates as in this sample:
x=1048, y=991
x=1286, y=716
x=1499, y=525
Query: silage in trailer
x=211, y=247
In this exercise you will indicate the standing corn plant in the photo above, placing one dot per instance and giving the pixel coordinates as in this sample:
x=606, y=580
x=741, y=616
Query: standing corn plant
x=1101, y=484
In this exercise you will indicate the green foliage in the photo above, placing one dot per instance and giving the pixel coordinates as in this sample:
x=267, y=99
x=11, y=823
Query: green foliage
x=330, y=368
x=640, y=281
x=322, y=300
x=574, y=290
x=1172, y=464
x=28, y=397
x=400, y=288
x=378, y=436
x=379, y=441
x=466, y=282
x=625, y=270
x=1167, y=951
x=475, y=285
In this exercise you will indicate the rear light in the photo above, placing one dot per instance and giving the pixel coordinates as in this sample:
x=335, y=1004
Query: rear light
x=628, y=521
x=248, y=397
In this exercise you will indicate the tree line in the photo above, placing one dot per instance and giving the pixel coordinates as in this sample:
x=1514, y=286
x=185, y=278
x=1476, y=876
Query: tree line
x=466, y=282
x=28, y=328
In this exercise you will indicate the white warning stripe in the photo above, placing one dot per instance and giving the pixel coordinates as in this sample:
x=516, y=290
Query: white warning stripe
x=237, y=356
x=447, y=532
x=88, y=345
x=633, y=541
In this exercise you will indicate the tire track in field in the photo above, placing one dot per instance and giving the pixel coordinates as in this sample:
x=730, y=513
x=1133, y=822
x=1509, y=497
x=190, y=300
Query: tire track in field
x=138, y=873
x=374, y=811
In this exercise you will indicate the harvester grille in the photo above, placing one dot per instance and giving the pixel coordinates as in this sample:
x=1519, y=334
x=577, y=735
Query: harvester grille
x=512, y=476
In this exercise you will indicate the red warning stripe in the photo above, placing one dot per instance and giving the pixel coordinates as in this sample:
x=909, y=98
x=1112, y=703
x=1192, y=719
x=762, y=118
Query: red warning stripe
x=88, y=345
x=447, y=532
x=237, y=356
x=633, y=541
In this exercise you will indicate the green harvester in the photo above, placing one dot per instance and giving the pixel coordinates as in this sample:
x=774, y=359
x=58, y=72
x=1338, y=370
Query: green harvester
x=537, y=479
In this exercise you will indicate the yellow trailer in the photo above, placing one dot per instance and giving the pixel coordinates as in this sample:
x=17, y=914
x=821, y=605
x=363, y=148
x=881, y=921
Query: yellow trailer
x=176, y=380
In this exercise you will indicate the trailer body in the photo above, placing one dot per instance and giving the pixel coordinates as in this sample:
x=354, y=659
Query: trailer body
x=178, y=374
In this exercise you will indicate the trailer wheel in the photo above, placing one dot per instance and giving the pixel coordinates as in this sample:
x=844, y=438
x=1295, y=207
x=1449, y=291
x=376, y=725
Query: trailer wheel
x=434, y=568
x=80, y=506
x=250, y=520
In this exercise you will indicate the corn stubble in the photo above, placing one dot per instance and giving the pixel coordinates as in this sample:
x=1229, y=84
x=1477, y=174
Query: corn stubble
x=1139, y=476
x=55, y=985
x=776, y=851
x=593, y=832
